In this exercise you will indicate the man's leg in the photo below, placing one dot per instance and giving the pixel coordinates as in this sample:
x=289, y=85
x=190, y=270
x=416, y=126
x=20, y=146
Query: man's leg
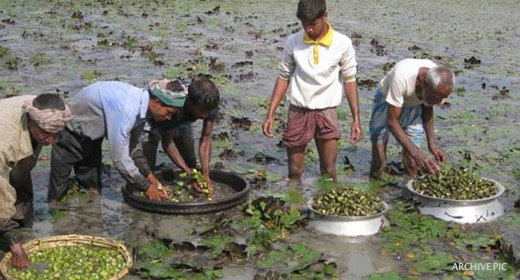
x=379, y=134
x=88, y=170
x=301, y=125
x=186, y=146
x=66, y=152
x=295, y=156
x=328, y=154
x=150, y=146
x=183, y=139
x=378, y=162
x=326, y=137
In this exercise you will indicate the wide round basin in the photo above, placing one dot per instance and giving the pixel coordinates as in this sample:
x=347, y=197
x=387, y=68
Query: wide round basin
x=347, y=225
x=461, y=211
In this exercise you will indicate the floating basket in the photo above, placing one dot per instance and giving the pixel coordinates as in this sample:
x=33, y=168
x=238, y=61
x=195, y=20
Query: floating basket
x=70, y=240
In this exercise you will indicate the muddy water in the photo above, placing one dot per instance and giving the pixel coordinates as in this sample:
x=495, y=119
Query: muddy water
x=77, y=42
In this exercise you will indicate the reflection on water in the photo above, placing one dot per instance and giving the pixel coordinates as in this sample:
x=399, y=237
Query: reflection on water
x=106, y=215
x=109, y=216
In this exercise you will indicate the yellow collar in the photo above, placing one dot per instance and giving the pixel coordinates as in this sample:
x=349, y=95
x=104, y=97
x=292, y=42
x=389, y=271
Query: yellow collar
x=325, y=40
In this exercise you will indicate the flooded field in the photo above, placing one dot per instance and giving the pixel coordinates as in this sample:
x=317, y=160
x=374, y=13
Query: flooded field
x=60, y=46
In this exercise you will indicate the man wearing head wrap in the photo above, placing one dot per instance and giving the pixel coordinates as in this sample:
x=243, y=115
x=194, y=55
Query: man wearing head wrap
x=27, y=122
x=201, y=102
x=118, y=112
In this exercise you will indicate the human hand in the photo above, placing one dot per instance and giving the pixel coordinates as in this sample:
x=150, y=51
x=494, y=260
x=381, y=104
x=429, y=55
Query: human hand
x=153, y=180
x=19, y=259
x=205, y=186
x=426, y=164
x=267, y=127
x=355, y=133
x=439, y=155
x=157, y=192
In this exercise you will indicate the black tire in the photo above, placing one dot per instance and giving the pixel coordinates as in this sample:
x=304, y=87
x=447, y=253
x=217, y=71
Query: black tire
x=238, y=183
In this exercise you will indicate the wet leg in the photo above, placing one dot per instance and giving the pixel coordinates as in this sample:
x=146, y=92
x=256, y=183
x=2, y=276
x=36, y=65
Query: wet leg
x=328, y=154
x=378, y=163
x=88, y=171
x=66, y=152
x=186, y=147
x=295, y=156
x=150, y=147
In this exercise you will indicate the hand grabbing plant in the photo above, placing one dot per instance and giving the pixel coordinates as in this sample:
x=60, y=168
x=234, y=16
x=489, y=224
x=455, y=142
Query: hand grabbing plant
x=199, y=182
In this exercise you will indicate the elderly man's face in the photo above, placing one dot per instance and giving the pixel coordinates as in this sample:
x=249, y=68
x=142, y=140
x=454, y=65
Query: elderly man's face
x=436, y=96
x=41, y=136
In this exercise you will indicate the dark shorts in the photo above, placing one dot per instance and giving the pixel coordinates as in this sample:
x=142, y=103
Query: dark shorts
x=303, y=125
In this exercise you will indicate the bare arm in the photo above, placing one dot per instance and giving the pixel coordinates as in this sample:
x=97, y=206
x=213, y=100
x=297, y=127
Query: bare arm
x=393, y=125
x=351, y=92
x=423, y=162
x=205, y=148
x=171, y=150
x=280, y=88
x=427, y=119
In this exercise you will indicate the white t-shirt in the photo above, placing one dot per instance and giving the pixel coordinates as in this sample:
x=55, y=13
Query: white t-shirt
x=398, y=86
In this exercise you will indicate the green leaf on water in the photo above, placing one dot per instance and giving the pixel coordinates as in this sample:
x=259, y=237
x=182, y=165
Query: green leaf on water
x=437, y=263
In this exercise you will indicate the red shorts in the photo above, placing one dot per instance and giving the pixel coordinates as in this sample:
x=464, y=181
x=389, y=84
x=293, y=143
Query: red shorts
x=303, y=125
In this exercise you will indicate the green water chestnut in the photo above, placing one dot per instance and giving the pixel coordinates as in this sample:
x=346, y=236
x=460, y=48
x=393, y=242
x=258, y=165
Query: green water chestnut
x=347, y=201
x=81, y=262
x=455, y=183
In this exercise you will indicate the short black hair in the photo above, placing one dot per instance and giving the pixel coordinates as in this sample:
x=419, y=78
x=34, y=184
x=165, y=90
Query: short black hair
x=204, y=93
x=311, y=10
x=48, y=101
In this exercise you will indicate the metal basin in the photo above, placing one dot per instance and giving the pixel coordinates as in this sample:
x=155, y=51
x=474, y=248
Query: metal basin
x=347, y=225
x=461, y=211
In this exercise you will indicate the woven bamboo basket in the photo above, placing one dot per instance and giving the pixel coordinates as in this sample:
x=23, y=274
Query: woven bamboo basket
x=70, y=240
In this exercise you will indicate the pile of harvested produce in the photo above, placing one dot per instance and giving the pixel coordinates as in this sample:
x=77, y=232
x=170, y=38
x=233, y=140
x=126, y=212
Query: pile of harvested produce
x=81, y=262
x=346, y=201
x=455, y=183
x=181, y=191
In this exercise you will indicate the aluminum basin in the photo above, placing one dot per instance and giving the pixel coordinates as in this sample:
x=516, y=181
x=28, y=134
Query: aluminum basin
x=347, y=225
x=461, y=211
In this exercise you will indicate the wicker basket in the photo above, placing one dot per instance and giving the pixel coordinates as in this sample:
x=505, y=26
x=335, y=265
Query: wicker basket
x=70, y=240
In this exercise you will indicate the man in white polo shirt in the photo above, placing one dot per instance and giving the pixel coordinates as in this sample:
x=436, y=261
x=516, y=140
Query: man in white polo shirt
x=318, y=65
x=403, y=105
